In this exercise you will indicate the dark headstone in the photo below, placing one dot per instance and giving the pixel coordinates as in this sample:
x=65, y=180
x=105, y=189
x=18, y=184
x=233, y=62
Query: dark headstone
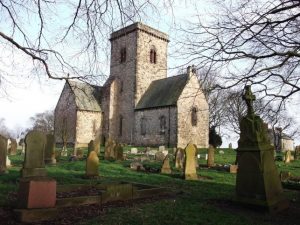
x=257, y=181
x=3, y=154
x=211, y=156
x=50, y=150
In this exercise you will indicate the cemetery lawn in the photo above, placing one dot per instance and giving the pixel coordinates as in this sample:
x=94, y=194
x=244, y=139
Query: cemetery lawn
x=207, y=201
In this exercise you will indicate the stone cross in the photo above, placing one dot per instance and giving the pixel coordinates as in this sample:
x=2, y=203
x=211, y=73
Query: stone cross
x=3, y=154
x=34, y=165
x=249, y=99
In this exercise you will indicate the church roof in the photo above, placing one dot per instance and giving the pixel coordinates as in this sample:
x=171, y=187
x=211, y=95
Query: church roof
x=164, y=92
x=87, y=97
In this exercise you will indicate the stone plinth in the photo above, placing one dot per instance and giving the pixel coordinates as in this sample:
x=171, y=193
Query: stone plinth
x=36, y=193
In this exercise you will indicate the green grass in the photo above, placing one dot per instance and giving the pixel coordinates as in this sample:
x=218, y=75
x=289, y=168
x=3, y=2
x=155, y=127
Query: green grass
x=193, y=205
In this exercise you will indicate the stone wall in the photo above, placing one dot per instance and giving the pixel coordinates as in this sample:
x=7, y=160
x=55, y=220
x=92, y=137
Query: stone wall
x=192, y=96
x=154, y=136
x=88, y=125
x=65, y=116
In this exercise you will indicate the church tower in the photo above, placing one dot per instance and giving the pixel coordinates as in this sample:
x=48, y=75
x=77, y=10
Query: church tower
x=138, y=57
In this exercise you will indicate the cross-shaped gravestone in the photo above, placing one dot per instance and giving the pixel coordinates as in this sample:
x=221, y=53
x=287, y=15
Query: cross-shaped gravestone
x=249, y=99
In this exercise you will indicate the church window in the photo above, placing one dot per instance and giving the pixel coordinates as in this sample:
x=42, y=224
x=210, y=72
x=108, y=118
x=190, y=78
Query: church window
x=120, y=125
x=123, y=55
x=163, y=125
x=143, y=126
x=153, y=56
x=194, y=118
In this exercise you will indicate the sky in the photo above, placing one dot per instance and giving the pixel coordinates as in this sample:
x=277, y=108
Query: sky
x=28, y=91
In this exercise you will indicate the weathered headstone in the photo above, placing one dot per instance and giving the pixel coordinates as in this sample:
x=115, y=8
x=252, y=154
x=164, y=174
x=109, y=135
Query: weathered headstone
x=190, y=172
x=230, y=146
x=50, y=149
x=12, y=150
x=161, y=148
x=109, y=149
x=118, y=152
x=287, y=156
x=137, y=166
x=92, y=165
x=91, y=147
x=166, y=169
x=133, y=150
x=257, y=181
x=159, y=156
x=64, y=152
x=79, y=153
x=165, y=152
x=233, y=168
x=211, y=156
x=8, y=162
x=297, y=152
x=34, y=164
x=3, y=154
x=179, y=158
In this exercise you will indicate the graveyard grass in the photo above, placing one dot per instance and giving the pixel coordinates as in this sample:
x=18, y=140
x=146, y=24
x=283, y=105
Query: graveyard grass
x=196, y=202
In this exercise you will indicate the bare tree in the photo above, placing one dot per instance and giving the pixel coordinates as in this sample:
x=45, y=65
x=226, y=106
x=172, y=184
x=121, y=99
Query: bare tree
x=67, y=39
x=43, y=121
x=251, y=42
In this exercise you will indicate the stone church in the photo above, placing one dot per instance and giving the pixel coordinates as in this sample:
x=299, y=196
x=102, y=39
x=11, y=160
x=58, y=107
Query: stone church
x=138, y=104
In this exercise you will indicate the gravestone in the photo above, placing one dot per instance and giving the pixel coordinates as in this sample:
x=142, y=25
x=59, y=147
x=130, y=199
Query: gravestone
x=297, y=152
x=230, y=146
x=91, y=147
x=166, y=169
x=8, y=162
x=109, y=149
x=50, y=150
x=210, y=156
x=159, y=156
x=179, y=158
x=233, y=168
x=79, y=153
x=257, y=181
x=190, y=172
x=165, y=152
x=92, y=165
x=161, y=148
x=118, y=149
x=64, y=152
x=3, y=154
x=133, y=150
x=12, y=150
x=34, y=165
x=287, y=156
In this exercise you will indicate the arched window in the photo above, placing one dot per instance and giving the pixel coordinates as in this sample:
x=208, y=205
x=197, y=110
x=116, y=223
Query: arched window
x=123, y=55
x=194, y=117
x=120, y=125
x=153, y=56
x=143, y=126
x=163, y=124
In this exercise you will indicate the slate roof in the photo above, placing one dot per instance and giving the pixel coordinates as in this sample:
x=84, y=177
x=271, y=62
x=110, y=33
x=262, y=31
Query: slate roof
x=87, y=97
x=164, y=92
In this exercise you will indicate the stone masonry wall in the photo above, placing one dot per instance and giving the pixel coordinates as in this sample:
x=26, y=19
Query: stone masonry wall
x=88, y=125
x=154, y=136
x=133, y=76
x=192, y=96
x=122, y=90
x=65, y=110
x=147, y=72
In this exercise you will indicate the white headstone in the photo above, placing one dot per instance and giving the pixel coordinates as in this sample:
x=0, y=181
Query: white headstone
x=165, y=152
x=133, y=150
x=161, y=148
x=206, y=156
